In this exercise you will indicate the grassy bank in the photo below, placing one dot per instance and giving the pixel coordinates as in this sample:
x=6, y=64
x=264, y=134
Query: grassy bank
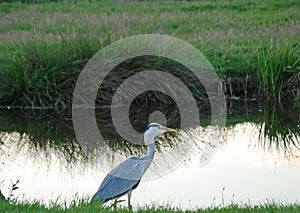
x=94, y=207
x=44, y=46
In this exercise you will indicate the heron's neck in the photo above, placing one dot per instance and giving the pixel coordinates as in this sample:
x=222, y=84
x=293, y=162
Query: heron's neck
x=150, y=152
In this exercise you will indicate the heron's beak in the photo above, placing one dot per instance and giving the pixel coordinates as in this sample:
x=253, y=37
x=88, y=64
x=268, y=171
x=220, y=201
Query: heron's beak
x=170, y=130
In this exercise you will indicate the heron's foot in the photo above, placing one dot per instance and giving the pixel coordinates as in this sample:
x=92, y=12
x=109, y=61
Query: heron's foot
x=130, y=207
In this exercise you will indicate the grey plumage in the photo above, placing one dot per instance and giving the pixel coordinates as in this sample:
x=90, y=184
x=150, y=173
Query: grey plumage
x=127, y=175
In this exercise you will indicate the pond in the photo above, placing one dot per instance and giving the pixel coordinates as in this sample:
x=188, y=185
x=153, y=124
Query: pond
x=257, y=159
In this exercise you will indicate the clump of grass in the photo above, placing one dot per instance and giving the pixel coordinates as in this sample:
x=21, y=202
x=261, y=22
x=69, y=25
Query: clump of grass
x=43, y=73
x=14, y=187
x=277, y=63
x=10, y=197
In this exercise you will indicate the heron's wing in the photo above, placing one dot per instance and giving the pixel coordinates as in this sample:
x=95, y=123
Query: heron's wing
x=126, y=176
x=114, y=187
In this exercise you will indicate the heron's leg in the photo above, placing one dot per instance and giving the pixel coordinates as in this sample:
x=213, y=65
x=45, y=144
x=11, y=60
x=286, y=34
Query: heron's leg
x=129, y=196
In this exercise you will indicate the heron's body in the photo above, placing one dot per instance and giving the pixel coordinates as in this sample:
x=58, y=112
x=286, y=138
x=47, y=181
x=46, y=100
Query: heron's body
x=114, y=187
x=127, y=175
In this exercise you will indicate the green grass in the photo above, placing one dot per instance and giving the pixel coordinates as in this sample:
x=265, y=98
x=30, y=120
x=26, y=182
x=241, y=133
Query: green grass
x=82, y=206
x=45, y=44
x=43, y=73
x=277, y=63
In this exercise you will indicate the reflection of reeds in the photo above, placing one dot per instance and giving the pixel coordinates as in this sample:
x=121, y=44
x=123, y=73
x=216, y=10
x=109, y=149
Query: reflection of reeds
x=39, y=132
x=280, y=128
x=46, y=132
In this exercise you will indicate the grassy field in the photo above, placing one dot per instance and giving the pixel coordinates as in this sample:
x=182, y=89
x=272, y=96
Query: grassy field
x=94, y=207
x=44, y=45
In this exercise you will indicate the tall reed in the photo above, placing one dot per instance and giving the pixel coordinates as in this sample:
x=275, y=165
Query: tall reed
x=277, y=62
x=43, y=73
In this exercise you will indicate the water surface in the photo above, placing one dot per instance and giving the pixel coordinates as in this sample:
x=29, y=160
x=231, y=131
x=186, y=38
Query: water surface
x=256, y=160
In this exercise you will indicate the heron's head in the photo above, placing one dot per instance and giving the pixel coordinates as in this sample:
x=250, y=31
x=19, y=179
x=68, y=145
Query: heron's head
x=153, y=130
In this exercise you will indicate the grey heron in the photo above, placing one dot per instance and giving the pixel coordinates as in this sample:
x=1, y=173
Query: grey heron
x=126, y=176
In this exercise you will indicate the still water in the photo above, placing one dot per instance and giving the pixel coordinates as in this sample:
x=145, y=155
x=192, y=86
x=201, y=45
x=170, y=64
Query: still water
x=257, y=160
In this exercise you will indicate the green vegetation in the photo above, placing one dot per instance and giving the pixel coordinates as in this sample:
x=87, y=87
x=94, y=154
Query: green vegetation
x=44, y=73
x=45, y=44
x=83, y=206
x=278, y=66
